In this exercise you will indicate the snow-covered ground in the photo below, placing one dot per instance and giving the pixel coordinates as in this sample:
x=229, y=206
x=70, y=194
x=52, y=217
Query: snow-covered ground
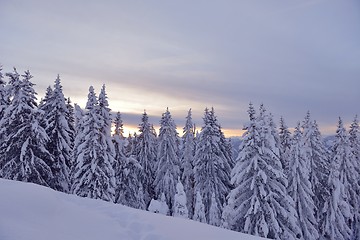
x=33, y=212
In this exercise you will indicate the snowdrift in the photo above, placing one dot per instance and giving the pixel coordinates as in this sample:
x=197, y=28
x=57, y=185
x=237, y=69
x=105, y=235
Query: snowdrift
x=33, y=212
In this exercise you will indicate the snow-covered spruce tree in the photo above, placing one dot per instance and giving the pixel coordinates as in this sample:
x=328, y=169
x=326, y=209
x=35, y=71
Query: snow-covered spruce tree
x=187, y=159
x=199, y=210
x=23, y=153
x=180, y=205
x=131, y=143
x=119, y=126
x=285, y=144
x=105, y=128
x=211, y=166
x=93, y=173
x=4, y=97
x=70, y=118
x=128, y=190
x=59, y=132
x=259, y=203
x=319, y=173
x=4, y=103
x=299, y=187
x=225, y=146
x=354, y=140
x=79, y=117
x=338, y=209
x=318, y=164
x=43, y=105
x=168, y=169
x=145, y=150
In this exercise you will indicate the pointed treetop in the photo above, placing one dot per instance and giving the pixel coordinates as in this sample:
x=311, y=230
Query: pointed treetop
x=1, y=75
x=307, y=120
x=297, y=132
x=57, y=80
x=92, y=100
x=119, y=131
x=340, y=132
x=340, y=123
x=251, y=112
x=262, y=110
x=354, y=132
x=27, y=76
x=103, y=97
x=13, y=76
x=189, y=125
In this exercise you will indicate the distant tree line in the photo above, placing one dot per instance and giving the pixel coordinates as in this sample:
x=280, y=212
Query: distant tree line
x=282, y=185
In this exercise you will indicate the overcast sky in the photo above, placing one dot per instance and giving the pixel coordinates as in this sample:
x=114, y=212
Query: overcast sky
x=293, y=56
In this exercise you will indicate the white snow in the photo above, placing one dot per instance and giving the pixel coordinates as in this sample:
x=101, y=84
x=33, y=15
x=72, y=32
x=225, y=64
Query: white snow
x=33, y=212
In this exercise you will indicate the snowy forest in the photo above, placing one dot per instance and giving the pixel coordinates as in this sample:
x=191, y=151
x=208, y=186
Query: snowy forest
x=282, y=184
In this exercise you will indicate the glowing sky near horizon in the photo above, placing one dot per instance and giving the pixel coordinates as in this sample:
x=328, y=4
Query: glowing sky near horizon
x=293, y=56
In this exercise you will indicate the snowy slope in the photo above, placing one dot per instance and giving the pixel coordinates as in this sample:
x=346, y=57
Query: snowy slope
x=33, y=212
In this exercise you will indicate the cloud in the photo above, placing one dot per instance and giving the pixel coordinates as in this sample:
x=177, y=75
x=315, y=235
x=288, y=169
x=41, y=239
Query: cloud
x=292, y=56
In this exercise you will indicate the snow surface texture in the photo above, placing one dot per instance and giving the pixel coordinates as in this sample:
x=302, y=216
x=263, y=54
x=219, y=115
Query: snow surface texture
x=33, y=212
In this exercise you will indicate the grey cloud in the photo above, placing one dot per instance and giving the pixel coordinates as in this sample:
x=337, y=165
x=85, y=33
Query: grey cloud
x=291, y=56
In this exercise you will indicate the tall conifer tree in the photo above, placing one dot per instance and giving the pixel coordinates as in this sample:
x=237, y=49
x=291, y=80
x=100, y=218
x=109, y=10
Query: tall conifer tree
x=187, y=162
x=285, y=144
x=94, y=174
x=259, y=204
x=338, y=209
x=4, y=97
x=23, y=153
x=59, y=132
x=128, y=190
x=168, y=169
x=211, y=165
x=145, y=150
x=300, y=187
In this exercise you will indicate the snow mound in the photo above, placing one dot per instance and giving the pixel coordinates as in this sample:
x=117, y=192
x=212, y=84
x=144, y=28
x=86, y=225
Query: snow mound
x=32, y=212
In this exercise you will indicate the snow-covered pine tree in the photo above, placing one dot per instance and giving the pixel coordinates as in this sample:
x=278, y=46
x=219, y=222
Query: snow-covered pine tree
x=79, y=118
x=43, y=105
x=180, y=205
x=130, y=146
x=168, y=162
x=4, y=103
x=225, y=146
x=145, y=150
x=259, y=203
x=93, y=173
x=23, y=153
x=338, y=209
x=70, y=118
x=199, y=209
x=59, y=132
x=299, y=187
x=285, y=144
x=187, y=159
x=119, y=126
x=211, y=165
x=105, y=128
x=4, y=97
x=128, y=190
x=354, y=140
x=319, y=174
